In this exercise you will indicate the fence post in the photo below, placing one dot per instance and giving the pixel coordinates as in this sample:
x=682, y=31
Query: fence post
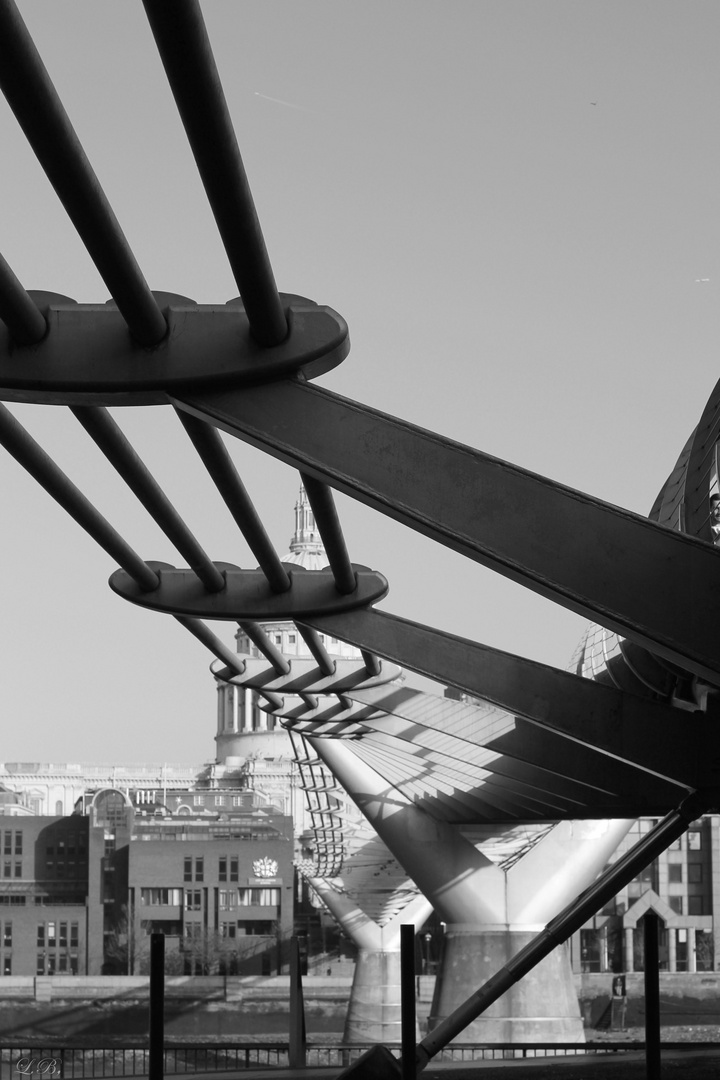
x=407, y=1000
x=157, y=1007
x=651, y=926
x=297, y=1045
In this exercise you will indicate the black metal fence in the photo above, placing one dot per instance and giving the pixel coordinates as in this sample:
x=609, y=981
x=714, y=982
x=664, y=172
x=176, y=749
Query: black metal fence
x=75, y=1062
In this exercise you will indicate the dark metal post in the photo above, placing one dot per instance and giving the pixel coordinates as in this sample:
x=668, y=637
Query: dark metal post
x=297, y=1042
x=651, y=928
x=157, y=1006
x=407, y=1000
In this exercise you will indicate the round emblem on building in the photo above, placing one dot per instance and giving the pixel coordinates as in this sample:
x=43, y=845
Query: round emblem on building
x=265, y=867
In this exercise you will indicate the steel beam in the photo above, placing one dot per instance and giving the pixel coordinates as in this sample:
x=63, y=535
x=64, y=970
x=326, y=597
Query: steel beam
x=672, y=744
x=182, y=41
x=111, y=440
x=28, y=453
x=32, y=97
x=21, y=315
x=659, y=587
x=208, y=442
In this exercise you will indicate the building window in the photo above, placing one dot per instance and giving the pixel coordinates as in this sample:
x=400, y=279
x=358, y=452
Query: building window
x=292, y=639
x=223, y=868
x=51, y=935
x=219, y=800
x=18, y=868
x=18, y=843
x=7, y=935
x=675, y=872
x=161, y=897
x=278, y=639
x=193, y=900
x=676, y=903
x=7, y=868
x=7, y=965
x=198, y=800
x=187, y=869
x=695, y=872
x=199, y=869
x=696, y=905
x=7, y=843
x=63, y=935
x=258, y=927
x=259, y=897
x=228, y=899
x=74, y=941
x=694, y=838
x=41, y=936
x=228, y=929
x=40, y=965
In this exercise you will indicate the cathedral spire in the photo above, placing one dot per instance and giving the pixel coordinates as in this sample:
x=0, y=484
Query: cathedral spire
x=306, y=546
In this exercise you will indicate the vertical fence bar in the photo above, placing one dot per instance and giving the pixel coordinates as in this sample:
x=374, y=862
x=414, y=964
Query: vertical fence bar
x=297, y=1046
x=651, y=928
x=157, y=1006
x=407, y=1001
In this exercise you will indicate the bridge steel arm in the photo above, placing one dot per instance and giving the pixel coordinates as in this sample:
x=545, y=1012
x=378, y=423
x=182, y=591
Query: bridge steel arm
x=659, y=587
x=182, y=40
x=18, y=310
x=670, y=743
x=31, y=95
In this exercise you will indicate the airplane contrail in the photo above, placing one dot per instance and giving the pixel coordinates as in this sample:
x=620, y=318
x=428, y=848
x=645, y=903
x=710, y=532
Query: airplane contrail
x=279, y=101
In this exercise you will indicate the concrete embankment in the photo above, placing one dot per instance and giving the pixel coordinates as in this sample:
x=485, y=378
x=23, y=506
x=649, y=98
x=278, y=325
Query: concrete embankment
x=195, y=1006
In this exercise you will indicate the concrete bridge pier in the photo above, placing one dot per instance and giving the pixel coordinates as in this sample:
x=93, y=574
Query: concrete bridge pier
x=490, y=912
x=374, y=1007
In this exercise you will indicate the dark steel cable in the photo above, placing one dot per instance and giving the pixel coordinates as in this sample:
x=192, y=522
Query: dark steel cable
x=317, y=649
x=182, y=40
x=260, y=639
x=204, y=635
x=326, y=518
x=18, y=311
x=106, y=434
x=212, y=642
x=216, y=459
x=18, y=442
x=32, y=97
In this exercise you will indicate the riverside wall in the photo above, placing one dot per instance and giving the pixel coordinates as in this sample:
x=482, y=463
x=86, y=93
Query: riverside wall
x=115, y=1008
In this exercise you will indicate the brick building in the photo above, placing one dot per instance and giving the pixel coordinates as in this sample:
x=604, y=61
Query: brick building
x=80, y=894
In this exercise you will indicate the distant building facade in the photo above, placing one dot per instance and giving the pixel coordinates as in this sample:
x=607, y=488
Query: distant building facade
x=81, y=894
x=682, y=886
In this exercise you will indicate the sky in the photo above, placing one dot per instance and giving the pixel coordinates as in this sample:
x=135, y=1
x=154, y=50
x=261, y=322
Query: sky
x=514, y=205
